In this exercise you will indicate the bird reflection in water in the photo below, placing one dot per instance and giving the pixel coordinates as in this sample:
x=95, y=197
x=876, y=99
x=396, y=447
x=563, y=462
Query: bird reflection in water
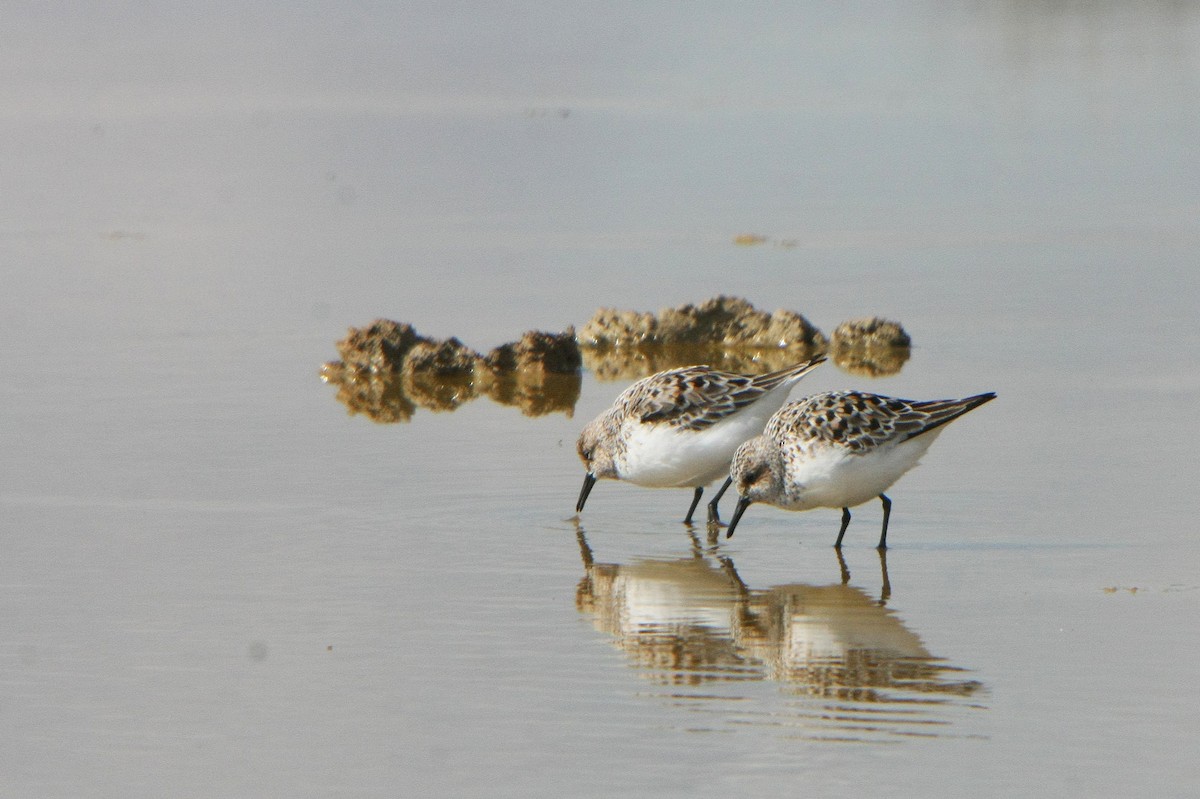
x=849, y=667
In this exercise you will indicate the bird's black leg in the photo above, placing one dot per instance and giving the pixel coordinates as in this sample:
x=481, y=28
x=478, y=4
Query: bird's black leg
x=695, y=501
x=713, y=518
x=887, y=511
x=845, y=523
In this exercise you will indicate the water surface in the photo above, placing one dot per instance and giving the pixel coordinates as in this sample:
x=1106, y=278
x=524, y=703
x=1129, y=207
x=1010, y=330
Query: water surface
x=216, y=581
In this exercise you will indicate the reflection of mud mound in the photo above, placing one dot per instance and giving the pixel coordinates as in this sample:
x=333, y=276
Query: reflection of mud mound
x=535, y=392
x=380, y=396
x=724, y=332
x=438, y=392
x=871, y=347
x=388, y=370
x=632, y=363
x=725, y=321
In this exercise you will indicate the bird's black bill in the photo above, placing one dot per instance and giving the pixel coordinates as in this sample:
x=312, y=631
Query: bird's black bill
x=589, y=480
x=743, y=503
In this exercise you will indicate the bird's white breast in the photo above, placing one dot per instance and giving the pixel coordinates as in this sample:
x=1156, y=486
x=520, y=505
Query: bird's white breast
x=835, y=477
x=663, y=456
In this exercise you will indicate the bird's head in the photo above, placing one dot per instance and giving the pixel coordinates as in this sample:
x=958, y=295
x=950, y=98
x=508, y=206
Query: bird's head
x=595, y=449
x=757, y=474
x=757, y=470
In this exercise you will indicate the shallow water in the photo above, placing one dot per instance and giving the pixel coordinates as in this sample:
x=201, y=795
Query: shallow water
x=217, y=581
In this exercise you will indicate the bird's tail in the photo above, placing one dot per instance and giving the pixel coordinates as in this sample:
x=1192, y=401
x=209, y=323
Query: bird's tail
x=788, y=375
x=942, y=412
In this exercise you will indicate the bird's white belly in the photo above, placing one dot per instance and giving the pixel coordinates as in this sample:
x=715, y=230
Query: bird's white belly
x=837, y=478
x=661, y=456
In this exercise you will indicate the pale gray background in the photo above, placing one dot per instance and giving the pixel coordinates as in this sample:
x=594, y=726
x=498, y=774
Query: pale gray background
x=199, y=199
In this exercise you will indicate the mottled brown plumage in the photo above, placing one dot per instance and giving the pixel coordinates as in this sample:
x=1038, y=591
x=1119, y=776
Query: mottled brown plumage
x=858, y=421
x=696, y=397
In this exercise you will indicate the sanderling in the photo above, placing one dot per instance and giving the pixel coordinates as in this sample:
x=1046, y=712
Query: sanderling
x=680, y=428
x=838, y=450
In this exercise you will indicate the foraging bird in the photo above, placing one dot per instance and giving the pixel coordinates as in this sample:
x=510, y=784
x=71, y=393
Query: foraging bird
x=838, y=450
x=680, y=428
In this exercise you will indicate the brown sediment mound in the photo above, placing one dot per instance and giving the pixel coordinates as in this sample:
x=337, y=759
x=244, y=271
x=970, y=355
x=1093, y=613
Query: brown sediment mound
x=387, y=346
x=557, y=353
x=725, y=332
x=379, y=347
x=612, y=328
x=388, y=370
x=726, y=321
x=871, y=332
x=872, y=347
x=538, y=374
x=440, y=358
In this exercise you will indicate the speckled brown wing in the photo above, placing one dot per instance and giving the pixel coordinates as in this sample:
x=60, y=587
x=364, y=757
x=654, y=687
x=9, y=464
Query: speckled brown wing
x=696, y=397
x=692, y=398
x=848, y=419
x=860, y=421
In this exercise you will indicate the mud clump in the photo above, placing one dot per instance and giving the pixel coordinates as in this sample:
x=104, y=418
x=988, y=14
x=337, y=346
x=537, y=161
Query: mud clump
x=388, y=370
x=538, y=374
x=725, y=332
x=727, y=321
x=440, y=358
x=610, y=327
x=731, y=334
x=871, y=347
x=555, y=353
x=379, y=347
x=871, y=332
